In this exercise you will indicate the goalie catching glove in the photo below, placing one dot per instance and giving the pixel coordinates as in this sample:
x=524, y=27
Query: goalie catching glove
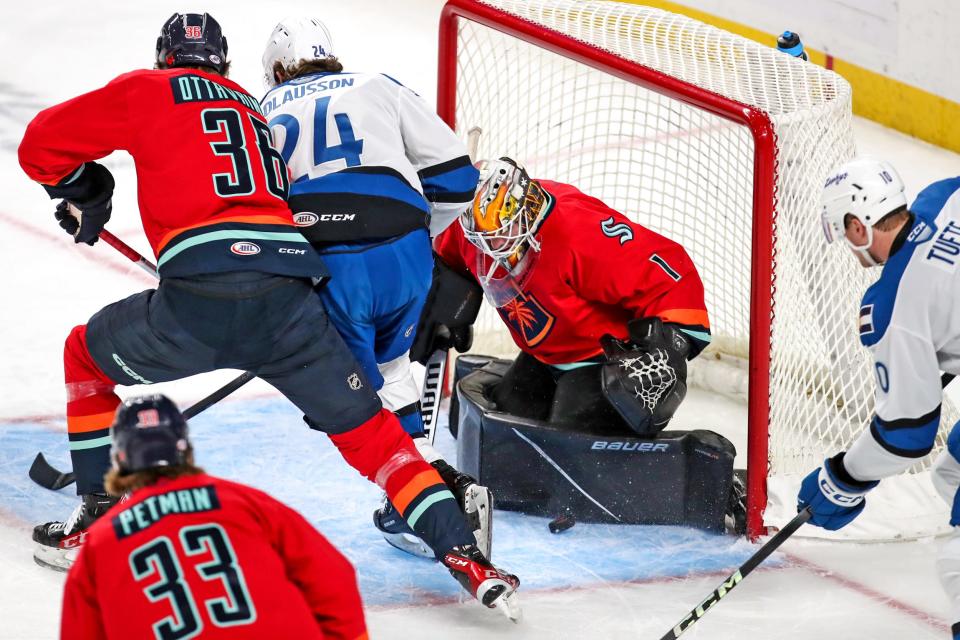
x=646, y=379
x=449, y=312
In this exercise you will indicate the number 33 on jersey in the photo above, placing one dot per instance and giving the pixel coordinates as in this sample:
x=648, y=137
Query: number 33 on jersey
x=201, y=557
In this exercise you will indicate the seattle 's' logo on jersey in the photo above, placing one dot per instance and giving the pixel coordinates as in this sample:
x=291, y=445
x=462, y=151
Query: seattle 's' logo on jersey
x=527, y=317
x=613, y=229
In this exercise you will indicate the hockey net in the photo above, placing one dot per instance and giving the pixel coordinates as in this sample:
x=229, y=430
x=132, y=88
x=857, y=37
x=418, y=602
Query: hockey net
x=721, y=144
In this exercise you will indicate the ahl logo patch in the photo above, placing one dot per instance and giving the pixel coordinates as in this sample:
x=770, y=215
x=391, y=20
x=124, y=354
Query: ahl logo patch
x=613, y=229
x=866, y=319
x=305, y=219
x=245, y=248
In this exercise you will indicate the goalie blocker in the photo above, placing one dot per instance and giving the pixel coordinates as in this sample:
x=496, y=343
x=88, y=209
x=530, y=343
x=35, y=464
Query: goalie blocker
x=449, y=312
x=592, y=473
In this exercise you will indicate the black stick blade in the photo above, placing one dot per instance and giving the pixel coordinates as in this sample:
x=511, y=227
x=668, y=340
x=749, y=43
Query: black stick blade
x=47, y=476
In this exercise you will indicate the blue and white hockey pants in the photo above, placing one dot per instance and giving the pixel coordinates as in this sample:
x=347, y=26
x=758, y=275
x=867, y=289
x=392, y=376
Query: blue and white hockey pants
x=374, y=297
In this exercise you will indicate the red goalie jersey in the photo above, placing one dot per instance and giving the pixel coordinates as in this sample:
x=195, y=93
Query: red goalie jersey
x=596, y=271
x=202, y=557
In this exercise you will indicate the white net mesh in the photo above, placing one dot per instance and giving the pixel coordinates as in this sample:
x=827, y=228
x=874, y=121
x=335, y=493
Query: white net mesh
x=689, y=174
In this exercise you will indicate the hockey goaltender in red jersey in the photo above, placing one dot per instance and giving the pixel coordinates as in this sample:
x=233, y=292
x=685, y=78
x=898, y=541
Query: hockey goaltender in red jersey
x=189, y=555
x=579, y=284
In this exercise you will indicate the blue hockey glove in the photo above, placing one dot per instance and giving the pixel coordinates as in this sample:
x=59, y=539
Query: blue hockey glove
x=833, y=496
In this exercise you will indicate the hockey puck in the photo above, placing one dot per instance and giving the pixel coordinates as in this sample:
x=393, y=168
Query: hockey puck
x=561, y=524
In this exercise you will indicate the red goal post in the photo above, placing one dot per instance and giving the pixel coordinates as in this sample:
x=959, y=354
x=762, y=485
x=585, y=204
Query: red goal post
x=627, y=102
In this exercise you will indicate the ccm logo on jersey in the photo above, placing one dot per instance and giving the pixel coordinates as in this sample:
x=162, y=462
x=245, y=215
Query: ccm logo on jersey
x=245, y=248
x=296, y=252
x=613, y=229
x=309, y=219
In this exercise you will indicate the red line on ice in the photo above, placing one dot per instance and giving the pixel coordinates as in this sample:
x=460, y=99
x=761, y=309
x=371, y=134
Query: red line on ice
x=99, y=258
x=57, y=421
x=872, y=594
x=793, y=562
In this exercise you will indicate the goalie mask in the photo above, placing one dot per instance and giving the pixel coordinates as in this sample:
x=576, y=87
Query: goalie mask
x=506, y=214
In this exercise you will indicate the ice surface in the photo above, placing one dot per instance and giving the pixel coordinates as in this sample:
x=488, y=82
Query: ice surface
x=592, y=581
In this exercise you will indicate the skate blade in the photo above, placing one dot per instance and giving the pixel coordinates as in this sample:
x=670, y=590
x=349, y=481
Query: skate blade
x=53, y=558
x=409, y=544
x=509, y=605
x=478, y=507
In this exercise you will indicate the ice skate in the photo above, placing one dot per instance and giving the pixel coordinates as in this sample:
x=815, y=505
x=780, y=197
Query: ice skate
x=59, y=542
x=494, y=588
x=475, y=501
x=397, y=532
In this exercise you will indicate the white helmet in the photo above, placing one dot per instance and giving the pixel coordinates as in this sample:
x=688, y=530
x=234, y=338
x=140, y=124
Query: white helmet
x=865, y=188
x=293, y=40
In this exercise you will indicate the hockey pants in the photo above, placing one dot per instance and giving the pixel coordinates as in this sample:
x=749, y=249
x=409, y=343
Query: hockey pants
x=374, y=299
x=572, y=398
x=271, y=325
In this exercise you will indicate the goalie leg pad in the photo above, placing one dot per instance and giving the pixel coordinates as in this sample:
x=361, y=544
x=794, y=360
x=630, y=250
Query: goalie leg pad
x=590, y=473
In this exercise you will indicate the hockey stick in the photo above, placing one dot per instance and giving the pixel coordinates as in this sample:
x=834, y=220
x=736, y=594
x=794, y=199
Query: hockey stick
x=737, y=576
x=727, y=585
x=436, y=366
x=433, y=377
x=130, y=253
x=48, y=476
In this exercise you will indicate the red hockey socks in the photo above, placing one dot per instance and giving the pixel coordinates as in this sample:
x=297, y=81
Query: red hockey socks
x=91, y=404
x=382, y=451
